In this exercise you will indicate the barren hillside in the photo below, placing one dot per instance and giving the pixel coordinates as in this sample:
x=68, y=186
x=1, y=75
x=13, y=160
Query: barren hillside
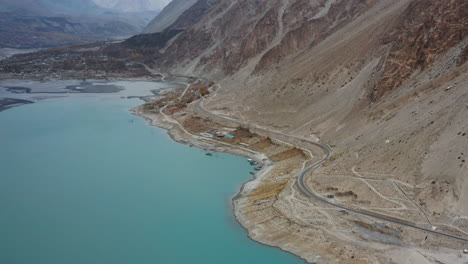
x=352, y=73
x=385, y=83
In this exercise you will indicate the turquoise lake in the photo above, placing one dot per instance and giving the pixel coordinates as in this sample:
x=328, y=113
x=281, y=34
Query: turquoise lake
x=84, y=181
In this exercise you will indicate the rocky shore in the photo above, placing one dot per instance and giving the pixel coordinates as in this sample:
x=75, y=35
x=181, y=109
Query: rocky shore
x=260, y=204
x=274, y=211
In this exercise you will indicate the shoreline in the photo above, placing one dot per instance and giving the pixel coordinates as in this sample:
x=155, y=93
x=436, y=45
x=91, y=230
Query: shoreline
x=176, y=136
x=272, y=225
x=275, y=225
x=175, y=130
x=16, y=92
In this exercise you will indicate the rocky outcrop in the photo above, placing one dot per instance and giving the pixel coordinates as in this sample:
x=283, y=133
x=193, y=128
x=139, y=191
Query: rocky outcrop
x=425, y=31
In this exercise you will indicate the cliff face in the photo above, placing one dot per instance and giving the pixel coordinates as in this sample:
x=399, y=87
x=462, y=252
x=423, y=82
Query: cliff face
x=232, y=34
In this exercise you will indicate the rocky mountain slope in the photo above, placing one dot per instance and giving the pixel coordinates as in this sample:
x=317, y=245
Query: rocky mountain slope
x=383, y=83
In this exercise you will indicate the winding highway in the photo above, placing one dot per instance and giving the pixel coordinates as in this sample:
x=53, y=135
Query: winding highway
x=309, y=192
x=301, y=179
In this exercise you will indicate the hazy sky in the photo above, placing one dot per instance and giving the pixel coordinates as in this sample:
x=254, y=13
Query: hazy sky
x=133, y=5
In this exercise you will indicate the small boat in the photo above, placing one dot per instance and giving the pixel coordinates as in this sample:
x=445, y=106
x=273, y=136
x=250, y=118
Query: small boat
x=253, y=173
x=258, y=169
x=209, y=154
x=249, y=160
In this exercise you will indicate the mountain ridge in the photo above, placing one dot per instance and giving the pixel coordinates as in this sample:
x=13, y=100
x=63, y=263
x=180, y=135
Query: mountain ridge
x=47, y=23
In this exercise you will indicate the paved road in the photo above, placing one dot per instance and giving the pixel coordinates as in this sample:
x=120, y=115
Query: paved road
x=301, y=179
x=309, y=192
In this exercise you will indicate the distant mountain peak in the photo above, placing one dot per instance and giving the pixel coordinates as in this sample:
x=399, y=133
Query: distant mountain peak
x=133, y=5
x=168, y=15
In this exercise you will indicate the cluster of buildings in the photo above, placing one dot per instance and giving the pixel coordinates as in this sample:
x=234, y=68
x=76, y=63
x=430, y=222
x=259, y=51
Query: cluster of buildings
x=213, y=133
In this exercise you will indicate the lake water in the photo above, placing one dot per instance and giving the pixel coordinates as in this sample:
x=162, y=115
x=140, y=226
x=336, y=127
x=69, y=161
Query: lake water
x=83, y=181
